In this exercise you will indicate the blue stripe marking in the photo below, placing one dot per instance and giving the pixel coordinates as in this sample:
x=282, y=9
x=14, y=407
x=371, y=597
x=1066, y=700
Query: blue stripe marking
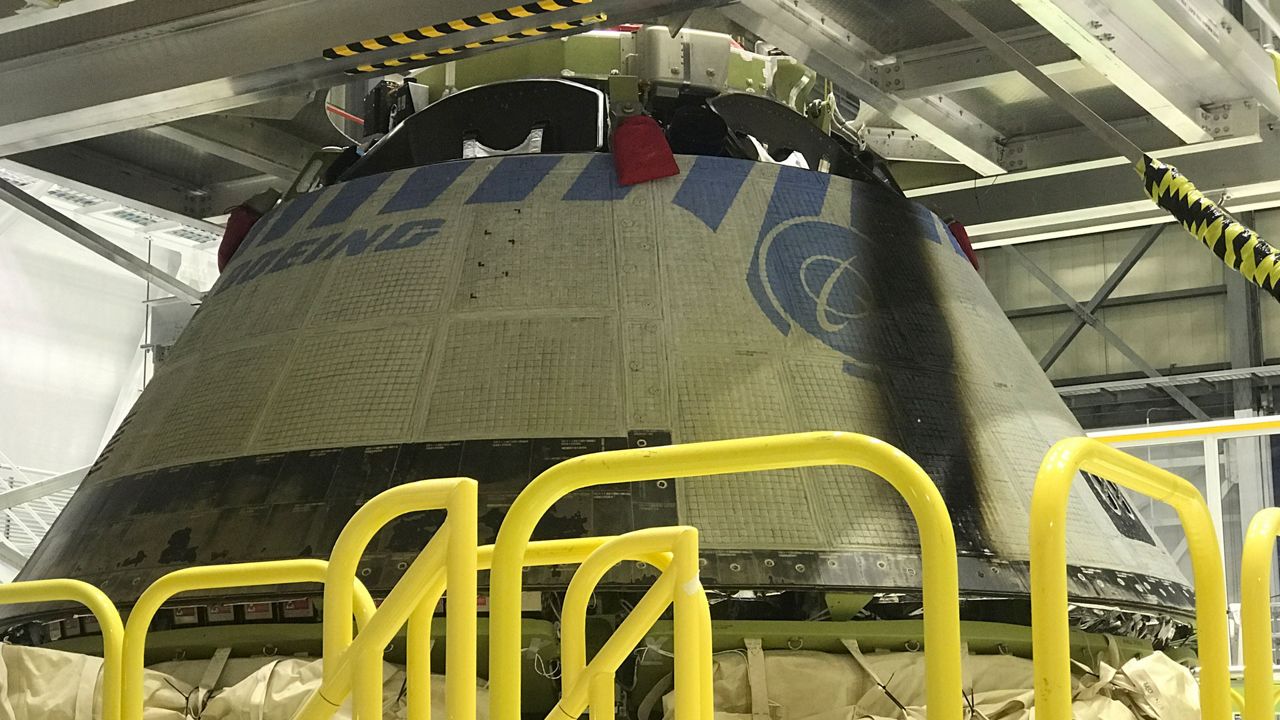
x=351, y=195
x=955, y=244
x=424, y=186
x=798, y=193
x=710, y=187
x=286, y=217
x=512, y=179
x=598, y=181
x=936, y=230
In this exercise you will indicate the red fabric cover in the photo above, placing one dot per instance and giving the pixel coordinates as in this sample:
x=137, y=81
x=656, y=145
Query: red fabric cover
x=239, y=224
x=641, y=152
x=962, y=236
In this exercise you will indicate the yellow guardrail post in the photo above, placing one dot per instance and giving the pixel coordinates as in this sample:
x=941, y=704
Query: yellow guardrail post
x=650, y=545
x=937, y=538
x=602, y=696
x=213, y=577
x=707, y=684
x=103, y=610
x=451, y=555
x=1048, y=540
x=573, y=700
x=688, y=666
x=344, y=559
x=460, y=605
x=1255, y=615
x=418, y=650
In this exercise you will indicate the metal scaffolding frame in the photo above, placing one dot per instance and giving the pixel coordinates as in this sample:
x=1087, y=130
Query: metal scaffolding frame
x=1087, y=317
x=29, y=205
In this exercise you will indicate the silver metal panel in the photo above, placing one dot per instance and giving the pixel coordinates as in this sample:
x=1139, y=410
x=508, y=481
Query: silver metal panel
x=277, y=46
x=1140, y=50
x=1014, y=105
x=1102, y=197
x=836, y=52
x=901, y=25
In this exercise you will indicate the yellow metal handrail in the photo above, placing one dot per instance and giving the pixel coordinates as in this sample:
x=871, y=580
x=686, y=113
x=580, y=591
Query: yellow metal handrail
x=103, y=611
x=356, y=668
x=344, y=560
x=937, y=538
x=213, y=577
x=1048, y=540
x=593, y=685
x=1255, y=615
x=418, y=647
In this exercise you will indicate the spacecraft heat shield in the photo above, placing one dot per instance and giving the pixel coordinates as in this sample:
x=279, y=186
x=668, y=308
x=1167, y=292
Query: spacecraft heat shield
x=488, y=318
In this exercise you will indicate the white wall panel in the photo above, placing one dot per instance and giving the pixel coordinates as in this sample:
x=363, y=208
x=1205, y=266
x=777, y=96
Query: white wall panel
x=71, y=324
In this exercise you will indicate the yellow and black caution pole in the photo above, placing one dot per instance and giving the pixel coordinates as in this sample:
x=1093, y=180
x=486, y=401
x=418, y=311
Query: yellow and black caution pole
x=410, y=62
x=439, y=30
x=1238, y=246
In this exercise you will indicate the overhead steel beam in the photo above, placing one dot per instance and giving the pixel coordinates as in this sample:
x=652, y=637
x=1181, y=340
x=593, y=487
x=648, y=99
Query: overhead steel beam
x=106, y=175
x=244, y=141
x=40, y=488
x=1108, y=286
x=1110, y=37
x=903, y=145
x=1065, y=101
x=837, y=53
x=219, y=54
x=114, y=178
x=1042, y=207
x=1052, y=153
x=1255, y=374
x=1107, y=333
x=1221, y=35
x=55, y=220
x=964, y=65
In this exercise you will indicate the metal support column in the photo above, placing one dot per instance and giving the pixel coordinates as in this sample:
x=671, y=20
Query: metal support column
x=1104, y=292
x=51, y=218
x=1213, y=487
x=1107, y=333
x=1247, y=460
x=1244, y=335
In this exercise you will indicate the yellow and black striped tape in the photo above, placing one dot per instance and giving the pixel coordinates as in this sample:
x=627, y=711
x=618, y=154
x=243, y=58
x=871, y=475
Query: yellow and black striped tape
x=438, y=30
x=1236, y=245
x=411, y=61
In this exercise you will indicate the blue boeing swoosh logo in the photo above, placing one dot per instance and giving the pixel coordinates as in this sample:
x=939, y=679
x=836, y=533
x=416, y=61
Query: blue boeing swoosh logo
x=808, y=272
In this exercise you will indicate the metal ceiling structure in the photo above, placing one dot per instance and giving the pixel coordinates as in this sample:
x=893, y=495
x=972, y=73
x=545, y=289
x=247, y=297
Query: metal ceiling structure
x=971, y=137
x=190, y=107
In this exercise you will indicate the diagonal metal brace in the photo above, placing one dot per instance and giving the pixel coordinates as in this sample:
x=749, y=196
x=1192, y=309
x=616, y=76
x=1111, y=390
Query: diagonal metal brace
x=1109, y=285
x=51, y=218
x=1107, y=333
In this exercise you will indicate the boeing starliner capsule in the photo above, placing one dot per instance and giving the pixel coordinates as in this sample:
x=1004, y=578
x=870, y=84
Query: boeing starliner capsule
x=450, y=309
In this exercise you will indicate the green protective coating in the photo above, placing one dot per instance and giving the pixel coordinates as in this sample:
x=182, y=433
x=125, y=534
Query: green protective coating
x=527, y=60
x=792, y=82
x=595, y=54
x=746, y=72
